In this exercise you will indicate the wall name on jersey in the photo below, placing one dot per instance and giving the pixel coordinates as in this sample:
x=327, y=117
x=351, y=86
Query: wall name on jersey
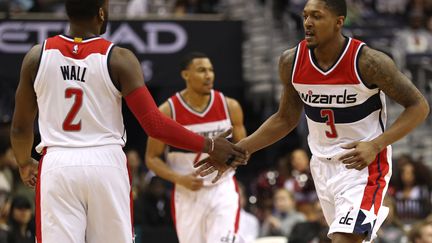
x=73, y=73
x=344, y=98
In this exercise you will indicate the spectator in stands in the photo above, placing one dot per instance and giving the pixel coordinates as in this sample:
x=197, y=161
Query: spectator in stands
x=300, y=182
x=140, y=8
x=284, y=216
x=392, y=230
x=413, y=40
x=21, y=221
x=249, y=224
x=421, y=232
x=412, y=191
x=6, y=160
x=152, y=207
x=313, y=230
x=137, y=174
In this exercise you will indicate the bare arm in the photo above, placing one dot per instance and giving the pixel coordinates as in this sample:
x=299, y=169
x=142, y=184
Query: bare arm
x=153, y=159
x=236, y=116
x=25, y=108
x=378, y=69
x=286, y=118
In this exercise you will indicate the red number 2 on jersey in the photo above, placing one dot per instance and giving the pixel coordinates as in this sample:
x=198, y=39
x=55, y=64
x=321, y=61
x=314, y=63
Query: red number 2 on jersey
x=329, y=115
x=67, y=123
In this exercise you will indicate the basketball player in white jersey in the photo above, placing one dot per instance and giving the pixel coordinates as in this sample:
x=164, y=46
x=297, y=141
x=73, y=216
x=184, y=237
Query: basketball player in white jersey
x=203, y=212
x=340, y=83
x=75, y=83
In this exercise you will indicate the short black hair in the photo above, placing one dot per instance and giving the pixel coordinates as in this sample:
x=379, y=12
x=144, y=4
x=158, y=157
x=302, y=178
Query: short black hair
x=338, y=7
x=188, y=58
x=83, y=9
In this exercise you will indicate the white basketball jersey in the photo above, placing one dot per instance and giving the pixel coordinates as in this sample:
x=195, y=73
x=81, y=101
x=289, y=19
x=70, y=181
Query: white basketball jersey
x=339, y=107
x=79, y=106
x=212, y=121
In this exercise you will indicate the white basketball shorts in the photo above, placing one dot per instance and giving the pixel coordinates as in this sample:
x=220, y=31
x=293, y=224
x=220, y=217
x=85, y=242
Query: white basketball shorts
x=210, y=215
x=83, y=196
x=350, y=199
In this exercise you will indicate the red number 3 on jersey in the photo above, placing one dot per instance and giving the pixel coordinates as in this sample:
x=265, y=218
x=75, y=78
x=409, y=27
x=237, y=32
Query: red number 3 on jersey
x=78, y=98
x=329, y=115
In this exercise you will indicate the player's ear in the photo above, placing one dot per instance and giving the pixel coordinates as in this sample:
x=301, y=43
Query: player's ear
x=185, y=74
x=340, y=21
x=101, y=15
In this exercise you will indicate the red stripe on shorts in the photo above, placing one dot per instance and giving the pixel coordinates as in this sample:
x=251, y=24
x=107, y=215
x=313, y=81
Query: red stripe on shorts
x=376, y=183
x=237, y=219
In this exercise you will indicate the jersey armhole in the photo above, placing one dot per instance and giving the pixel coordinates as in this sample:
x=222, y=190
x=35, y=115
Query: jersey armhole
x=171, y=106
x=294, y=64
x=39, y=64
x=357, y=67
x=109, y=52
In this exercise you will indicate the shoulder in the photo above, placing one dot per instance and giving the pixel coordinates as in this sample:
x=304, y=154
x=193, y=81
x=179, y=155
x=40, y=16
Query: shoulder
x=374, y=64
x=286, y=62
x=287, y=57
x=31, y=60
x=232, y=103
x=165, y=108
x=34, y=54
x=120, y=55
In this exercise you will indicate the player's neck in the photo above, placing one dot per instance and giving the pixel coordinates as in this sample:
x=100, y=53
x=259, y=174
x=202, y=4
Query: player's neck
x=83, y=30
x=196, y=100
x=327, y=54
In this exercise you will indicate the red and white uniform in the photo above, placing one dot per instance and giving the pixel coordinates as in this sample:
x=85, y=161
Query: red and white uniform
x=83, y=178
x=341, y=109
x=211, y=214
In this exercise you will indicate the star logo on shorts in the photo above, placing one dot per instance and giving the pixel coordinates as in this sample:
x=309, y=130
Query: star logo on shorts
x=370, y=216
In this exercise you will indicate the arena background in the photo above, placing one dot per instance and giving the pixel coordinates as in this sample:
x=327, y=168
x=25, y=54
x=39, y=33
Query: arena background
x=244, y=40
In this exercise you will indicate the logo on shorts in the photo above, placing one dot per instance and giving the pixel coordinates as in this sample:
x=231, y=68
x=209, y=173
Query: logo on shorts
x=346, y=220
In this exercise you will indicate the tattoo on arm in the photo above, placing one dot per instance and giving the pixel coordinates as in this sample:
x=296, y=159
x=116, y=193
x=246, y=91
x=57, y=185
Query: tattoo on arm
x=377, y=69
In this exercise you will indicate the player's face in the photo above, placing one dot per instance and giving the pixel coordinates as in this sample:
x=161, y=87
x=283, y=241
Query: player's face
x=200, y=75
x=320, y=23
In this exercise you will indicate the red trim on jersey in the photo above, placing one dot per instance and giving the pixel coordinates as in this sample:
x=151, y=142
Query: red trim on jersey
x=131, y=199
x=215, y=113
x=78, y=50
x=237, y=219
x=376, y=183
x=38, y=200
x=342, y=72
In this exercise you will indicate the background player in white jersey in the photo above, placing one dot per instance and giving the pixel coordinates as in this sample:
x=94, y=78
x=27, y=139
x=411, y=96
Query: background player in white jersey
x=76, y=84
x=203, y=211
x=339, y=82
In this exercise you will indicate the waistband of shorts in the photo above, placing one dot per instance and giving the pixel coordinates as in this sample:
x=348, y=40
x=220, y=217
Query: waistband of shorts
x=60, y=148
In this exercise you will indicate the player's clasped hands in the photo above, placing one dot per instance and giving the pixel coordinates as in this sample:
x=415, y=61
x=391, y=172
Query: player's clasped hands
x=361, y=155
x=28, y=172
x=236, y=156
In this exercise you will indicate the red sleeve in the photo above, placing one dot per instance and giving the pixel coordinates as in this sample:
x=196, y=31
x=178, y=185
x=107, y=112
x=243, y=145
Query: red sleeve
x=158, y=126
